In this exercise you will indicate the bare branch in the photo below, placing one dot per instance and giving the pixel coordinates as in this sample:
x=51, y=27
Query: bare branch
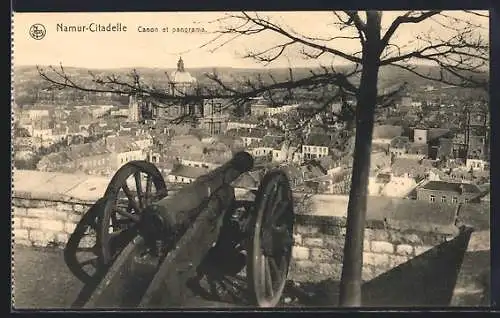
x=406, y=18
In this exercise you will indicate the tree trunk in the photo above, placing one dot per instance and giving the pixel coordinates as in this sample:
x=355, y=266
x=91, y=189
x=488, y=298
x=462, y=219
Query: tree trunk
x=351, y=281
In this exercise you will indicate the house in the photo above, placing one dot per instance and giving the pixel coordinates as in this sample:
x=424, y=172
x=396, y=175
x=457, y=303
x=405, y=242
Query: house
x=248, y=135
x=37, y=113
x=186, y=174
x=261, y=151
x=186, y=140
x=466, y=176
x=448, y=192
x=476, y=164
x=123, y=149
x=316, y=146
x=91, y=158
x=415, y=150
x=409, y=167
x=340, y=181
x=215, y=118
x=209, y=160
x=389, y=185
x=234, y=144
x=242, y=124
x=287, y=152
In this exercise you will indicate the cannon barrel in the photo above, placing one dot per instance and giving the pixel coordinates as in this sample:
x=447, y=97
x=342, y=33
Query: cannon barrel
x=171, y=213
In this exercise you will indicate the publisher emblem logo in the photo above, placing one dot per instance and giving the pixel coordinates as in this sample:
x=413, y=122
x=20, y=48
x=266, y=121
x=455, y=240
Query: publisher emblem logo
x=37, y=31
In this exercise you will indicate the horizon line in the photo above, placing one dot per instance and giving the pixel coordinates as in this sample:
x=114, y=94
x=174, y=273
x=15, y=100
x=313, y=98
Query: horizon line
x=198, y=67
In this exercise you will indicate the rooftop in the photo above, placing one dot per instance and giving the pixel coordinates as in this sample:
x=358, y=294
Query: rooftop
x=452, y=187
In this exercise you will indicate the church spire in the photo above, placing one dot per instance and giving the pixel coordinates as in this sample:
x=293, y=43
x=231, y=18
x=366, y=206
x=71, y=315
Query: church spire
x=180, y=65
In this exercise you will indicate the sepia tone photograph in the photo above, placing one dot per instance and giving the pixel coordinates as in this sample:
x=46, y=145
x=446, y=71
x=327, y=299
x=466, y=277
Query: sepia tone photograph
x=183, y=160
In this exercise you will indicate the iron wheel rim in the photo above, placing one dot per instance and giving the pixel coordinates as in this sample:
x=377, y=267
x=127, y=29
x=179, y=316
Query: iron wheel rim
x=112, y=242
x=267, y=287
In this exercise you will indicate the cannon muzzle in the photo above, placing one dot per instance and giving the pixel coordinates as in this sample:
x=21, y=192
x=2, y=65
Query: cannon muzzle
x=166, y=216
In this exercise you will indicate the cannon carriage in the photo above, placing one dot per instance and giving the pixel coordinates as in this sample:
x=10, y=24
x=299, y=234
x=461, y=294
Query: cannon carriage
x=140, y=246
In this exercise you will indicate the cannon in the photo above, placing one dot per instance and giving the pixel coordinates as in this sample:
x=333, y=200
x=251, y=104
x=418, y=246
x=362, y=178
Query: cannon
x=140, y=246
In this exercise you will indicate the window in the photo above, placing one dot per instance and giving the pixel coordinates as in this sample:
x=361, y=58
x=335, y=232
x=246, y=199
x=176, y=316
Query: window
x=432, y=198
x=217, y=108
x=443, y=198
x=454, y=200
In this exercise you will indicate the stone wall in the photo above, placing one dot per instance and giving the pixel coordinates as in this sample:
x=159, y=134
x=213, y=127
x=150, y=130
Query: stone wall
x=47, y=206
x=45, y=222
x=319, y=244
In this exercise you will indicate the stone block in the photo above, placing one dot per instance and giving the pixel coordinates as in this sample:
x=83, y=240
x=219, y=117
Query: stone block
x=411, y=238
x=313, y=241
x=377, y=235
x=21, y=234
x=41, y=238
x=404, y=249
x=17, y=202
x=30, y=223
x=333, y=230
x=297, y=239
x=367, y=246
x=321, y=254
x=382, y=247
x=81, y=208
x=69, y=227
x=300, y=253
x=422, y=249
x=306, y=229
x=397, y=260
x=17, y=223
x=19, y=211
x=333, y=241
x=29, y=203
x=330, y=270
x=47, y=213
x=64, y=207
x=22, y=242
x=62, y=238
x=74, y=217
x=375, y=259
x=304, y=265
x=52, y=225
x=379, y=270
x=367, y=273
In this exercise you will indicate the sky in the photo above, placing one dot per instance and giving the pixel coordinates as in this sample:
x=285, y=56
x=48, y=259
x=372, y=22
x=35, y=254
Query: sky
x=163, y=49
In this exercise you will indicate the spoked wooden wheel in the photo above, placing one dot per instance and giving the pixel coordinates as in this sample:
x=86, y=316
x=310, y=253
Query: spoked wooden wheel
x=270, y=248
x=135, y=186
x=81, y=253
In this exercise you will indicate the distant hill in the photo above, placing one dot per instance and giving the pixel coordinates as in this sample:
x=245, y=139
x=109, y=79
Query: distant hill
x=388, y=76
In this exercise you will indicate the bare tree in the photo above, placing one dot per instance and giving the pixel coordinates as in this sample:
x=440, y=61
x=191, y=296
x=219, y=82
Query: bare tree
x=460, y=51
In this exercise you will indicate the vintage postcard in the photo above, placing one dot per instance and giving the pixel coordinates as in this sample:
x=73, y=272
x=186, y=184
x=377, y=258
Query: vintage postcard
x=250, y=159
